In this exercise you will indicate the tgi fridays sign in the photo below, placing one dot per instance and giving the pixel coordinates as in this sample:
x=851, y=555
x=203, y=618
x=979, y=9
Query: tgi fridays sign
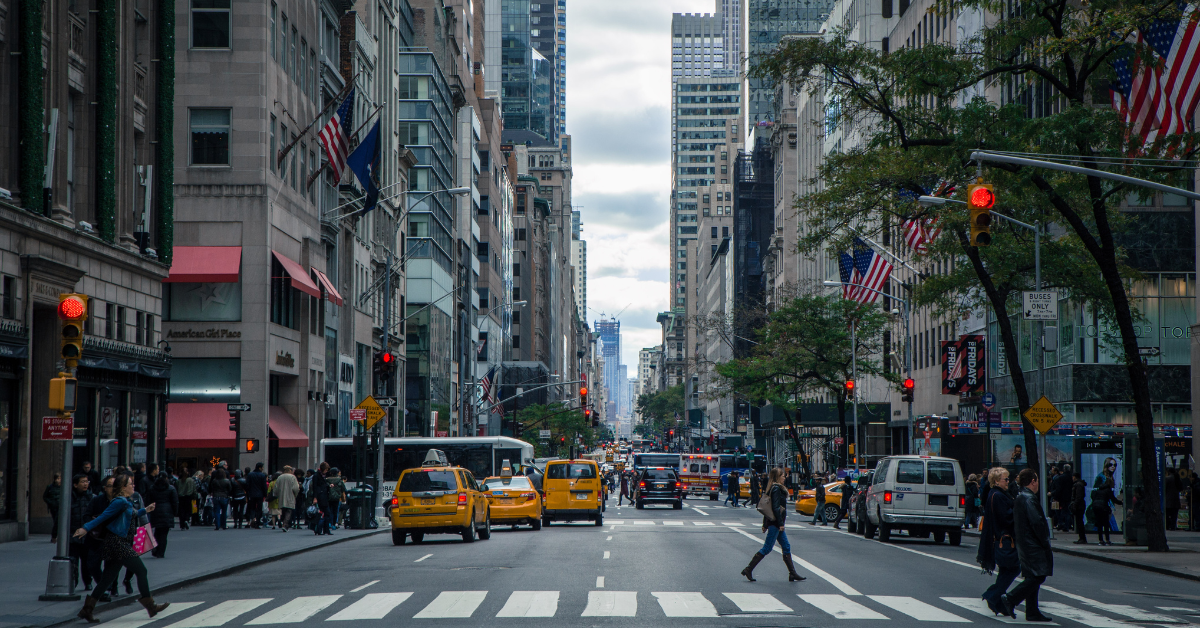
x=963, y=369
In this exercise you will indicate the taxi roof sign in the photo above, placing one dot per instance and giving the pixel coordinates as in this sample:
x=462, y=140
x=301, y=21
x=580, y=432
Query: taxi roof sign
x=506, y=469
x=436, y=458
x=1043, y=415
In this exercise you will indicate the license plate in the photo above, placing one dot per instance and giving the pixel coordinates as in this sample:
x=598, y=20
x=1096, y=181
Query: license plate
x=581, y=495
x=428, y=501
x=505, y=500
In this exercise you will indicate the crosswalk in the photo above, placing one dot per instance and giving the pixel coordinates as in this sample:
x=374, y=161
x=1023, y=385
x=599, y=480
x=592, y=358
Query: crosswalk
x=607, y=603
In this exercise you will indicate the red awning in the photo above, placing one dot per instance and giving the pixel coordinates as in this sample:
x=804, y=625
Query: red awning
x=331, y=293
x=205, y=264
x=300, y=280
x=199, y=425
x=285, y=429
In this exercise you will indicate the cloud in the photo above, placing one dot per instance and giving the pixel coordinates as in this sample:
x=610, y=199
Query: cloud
x=621, y=135
x=629, y=211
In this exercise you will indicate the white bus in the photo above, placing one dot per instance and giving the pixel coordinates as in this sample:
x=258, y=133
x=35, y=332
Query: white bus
x=481, y=455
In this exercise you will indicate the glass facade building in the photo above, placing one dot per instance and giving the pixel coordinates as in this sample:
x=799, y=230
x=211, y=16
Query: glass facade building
x=533, y=66
x=767, y=22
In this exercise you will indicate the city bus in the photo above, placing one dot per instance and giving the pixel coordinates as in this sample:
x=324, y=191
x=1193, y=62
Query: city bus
x=483, y=456
x=738, y=462
x=657, y=459
x=640, y=444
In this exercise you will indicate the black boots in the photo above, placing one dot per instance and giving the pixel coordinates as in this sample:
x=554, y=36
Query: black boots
x=89, y=605
x=152, y=608
x=792, y=575
x=749, y=570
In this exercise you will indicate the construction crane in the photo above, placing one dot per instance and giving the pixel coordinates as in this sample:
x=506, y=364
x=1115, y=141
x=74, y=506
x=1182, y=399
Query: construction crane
x=614, y=316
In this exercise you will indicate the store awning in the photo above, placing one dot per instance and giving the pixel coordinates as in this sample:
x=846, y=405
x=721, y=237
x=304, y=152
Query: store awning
x=199, y=425
x=205, y=264
x=284, y=428
x=331, y=293
x=300, y=280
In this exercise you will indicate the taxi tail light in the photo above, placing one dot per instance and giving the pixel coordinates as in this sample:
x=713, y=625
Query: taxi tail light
x=528, y=496
x=395, y=501
x=887, y=497
x=962, y=501
x=462, y=499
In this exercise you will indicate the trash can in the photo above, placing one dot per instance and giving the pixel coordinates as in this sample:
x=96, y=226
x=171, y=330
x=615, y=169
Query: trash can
x=361, y=502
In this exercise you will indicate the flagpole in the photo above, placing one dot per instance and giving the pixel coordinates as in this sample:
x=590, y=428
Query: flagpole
x=313, y=177
x=885, y=252
x=337, y=99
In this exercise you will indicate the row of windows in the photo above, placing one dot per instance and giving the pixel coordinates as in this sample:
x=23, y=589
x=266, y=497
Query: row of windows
x=712, y=111
x=709, y=87
x=700, y=124
x=293, y=53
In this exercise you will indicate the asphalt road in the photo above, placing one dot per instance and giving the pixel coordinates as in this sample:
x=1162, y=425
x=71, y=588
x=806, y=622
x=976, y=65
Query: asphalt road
x=654, y=567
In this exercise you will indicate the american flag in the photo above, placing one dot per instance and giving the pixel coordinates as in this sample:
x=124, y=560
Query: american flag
x=334, y=136
x=848, y=275
x=873, y=271
x=920, y=232
x=1157, y=88
x=485, y=385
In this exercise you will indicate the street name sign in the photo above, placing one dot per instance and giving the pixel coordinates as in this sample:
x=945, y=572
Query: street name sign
x=375, y=413
x=58, y=428
x=1043, y=415
x=1040, y=306
x=237, y=407
x=387, y=402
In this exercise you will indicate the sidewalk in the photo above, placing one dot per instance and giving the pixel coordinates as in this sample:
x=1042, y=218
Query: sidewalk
x=1183, y=561
x=193, y=555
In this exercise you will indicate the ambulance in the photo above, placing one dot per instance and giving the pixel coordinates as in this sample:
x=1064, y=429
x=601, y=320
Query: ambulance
x=700, y=474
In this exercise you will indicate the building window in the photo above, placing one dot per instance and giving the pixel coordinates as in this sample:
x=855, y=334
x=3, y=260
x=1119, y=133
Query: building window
x=516, y=293
x=483, y=298
x=283, y=296
x=516, y=317
x=292, y=53
x=120, y=323
x=10, y=302
x=303, y=80
x=211, y=23
x=283, y=31
x=516, y=342
x=138, y=336
x=210, y=137
x=149, y=333
x=516, y=269
x=520, y=234
x=274, y=151
x=110, y=320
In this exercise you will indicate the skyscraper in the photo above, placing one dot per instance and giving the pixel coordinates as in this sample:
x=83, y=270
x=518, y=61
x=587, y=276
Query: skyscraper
x=533, y=66
x=610, y=335
x=767, y=22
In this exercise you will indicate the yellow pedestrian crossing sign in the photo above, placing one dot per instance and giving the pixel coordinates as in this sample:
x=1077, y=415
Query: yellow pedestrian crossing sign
x=375, y=412
x=1043, y=415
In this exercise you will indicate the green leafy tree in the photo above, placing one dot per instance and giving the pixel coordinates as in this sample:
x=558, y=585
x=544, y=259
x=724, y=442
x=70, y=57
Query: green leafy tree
x=563, y=421
x=921, y=112
x=659, y=411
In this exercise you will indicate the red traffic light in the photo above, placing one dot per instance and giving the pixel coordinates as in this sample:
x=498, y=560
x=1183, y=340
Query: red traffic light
x=909, y=384
x=982, y=197
x=71, y=307
x=849, y=385
x=387, y=358
x=583, y=391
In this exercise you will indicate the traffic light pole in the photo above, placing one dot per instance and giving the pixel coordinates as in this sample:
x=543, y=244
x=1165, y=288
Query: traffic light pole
x=854, y=378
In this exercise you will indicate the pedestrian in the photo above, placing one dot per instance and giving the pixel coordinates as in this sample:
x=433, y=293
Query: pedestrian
x=116, y=525
x=186, y=491
x=773, y=525
x=273, y=502
x=285, y=492
x=219, y=489
x=138, y=469
x=997, y=540
x=95, y=509
x=93, y=477
x=1102, y=501
x=624, y=488
x=237, y=498
x=256, y=491
x=819, y=513
x=844, y=502
x=1033, y=549
x=204, y=499
x=81, y=499
x=1171, y=502
x=319, y=488
x=302, y=498
x=140, y=520
x=1063, y=496
x=755, y=488
x=1079, y=507
x=147, y=481
x=734, y=487
x=52, y=497
x=166, y=503
x=337, y=495
x=973, y=501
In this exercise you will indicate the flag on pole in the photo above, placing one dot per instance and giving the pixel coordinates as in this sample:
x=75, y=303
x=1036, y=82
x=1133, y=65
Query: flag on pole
x=848, y=275
x=919, y=233
x=364, y=163
x=1157, y=88
x=485, y=385
x=873, y=270
x=334, y=138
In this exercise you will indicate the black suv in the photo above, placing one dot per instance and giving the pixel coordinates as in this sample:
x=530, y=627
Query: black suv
x=658, y=485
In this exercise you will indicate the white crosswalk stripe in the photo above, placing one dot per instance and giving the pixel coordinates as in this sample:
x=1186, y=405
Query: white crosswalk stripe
x=371, y=606
x=1136, y=614
x=917, y=609
x=220, y=614
x=530, y=604
x=643, y=522
x=840, y=606
x=611, y=604
x=977, y=605
x=458, y=604
x=295, y=611
x=678, y=604
x=138, y=618
x=672, y=523
x=758, y=603
x=703, y=523
x=1087, y=618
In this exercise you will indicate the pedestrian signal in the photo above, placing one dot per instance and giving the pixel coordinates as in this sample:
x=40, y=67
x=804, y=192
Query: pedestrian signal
x=249, y=445
x=980, y=200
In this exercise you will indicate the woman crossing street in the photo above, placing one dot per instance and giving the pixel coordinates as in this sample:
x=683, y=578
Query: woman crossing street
x=773, y=525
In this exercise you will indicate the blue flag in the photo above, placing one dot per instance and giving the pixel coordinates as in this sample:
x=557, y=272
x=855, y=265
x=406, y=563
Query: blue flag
x=364, y=163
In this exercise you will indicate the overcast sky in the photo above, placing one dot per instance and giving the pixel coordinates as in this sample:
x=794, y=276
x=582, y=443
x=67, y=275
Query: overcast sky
x=618, y=114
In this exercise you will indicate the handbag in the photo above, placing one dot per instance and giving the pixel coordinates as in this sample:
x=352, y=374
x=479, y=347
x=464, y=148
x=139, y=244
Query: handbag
x=764, y=506
x=1007, y=556
x=143, y=540
x=313, y=510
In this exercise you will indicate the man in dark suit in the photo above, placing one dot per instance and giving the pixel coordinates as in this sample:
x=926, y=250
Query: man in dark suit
x=256, y=491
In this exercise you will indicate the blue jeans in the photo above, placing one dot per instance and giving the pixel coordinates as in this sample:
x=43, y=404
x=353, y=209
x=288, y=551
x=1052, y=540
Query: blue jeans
x=220, y=506
x=819, y=513
x=772, y=534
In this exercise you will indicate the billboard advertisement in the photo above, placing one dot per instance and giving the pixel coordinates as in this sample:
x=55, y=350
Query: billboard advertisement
x=963, y=366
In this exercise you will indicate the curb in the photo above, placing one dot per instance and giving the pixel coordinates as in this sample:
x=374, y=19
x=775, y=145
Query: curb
x=217, y=573
x=1118, y=561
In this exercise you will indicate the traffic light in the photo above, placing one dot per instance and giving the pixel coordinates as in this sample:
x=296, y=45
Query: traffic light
x=72, y=311
x=906, y=393
x=385, y=363
x=849, y=386
x=249, y=445
x=583, y=399
x=980, y=200
x=235, y=419
x=62, y=393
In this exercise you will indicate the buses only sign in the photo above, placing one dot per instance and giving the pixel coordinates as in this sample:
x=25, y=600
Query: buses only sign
x=1039, y=306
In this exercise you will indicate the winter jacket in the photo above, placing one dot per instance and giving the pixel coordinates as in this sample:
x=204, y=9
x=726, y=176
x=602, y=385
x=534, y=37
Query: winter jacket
x=187, y=487
x=1033, y=536
x=80, y=502
x=997, y=523
x=286, y=490
x=779, y=502
x=145, y=484
x=820, y=493
x=337, y=489
x=52, y=496
x=1078, y=493
x=320, y=489
x=220, y=489
x=166, y=502
x=256, y=485
x=1102, y=502
x=117, y=517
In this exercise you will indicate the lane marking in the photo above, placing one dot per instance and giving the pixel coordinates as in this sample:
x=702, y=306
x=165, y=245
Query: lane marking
x=138, y=619
x=672, y=523
x=530, y=604
x=840, y=606
x=609, y=538
x=371, y=606
x=643, y=522
x=452, y=604
x=295, y=611
x=701, y=512
x=364, y=586
x=838, y=584
x=758, y=603
x=917, y=609
x=1181, y=609
x=422, y=558
x=1123, y=610
x=599, y=582
x=728, y=523
x=611, y=604
x=1087, y=618
x=977, y=605
x=685, y=604
x=220, y=614
x=616, y=523
x=703, y=523
x=606, y=555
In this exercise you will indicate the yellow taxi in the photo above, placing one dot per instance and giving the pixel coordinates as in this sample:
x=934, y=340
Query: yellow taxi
x=572, y=492
x=513, y=500
x=806, y=501
x=437, y=498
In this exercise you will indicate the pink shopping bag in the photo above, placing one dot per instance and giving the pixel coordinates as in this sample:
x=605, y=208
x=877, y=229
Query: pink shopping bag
x=143, y=540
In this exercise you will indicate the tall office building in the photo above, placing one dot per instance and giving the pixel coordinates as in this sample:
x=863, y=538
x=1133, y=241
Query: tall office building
x=533, y=66
x=579, y=264
x=610, y=336
x=767, y=22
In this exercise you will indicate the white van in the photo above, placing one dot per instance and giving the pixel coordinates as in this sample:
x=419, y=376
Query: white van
x=917, y=494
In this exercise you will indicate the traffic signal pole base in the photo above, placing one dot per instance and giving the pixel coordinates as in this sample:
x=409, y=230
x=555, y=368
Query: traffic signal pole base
x=60, y=586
